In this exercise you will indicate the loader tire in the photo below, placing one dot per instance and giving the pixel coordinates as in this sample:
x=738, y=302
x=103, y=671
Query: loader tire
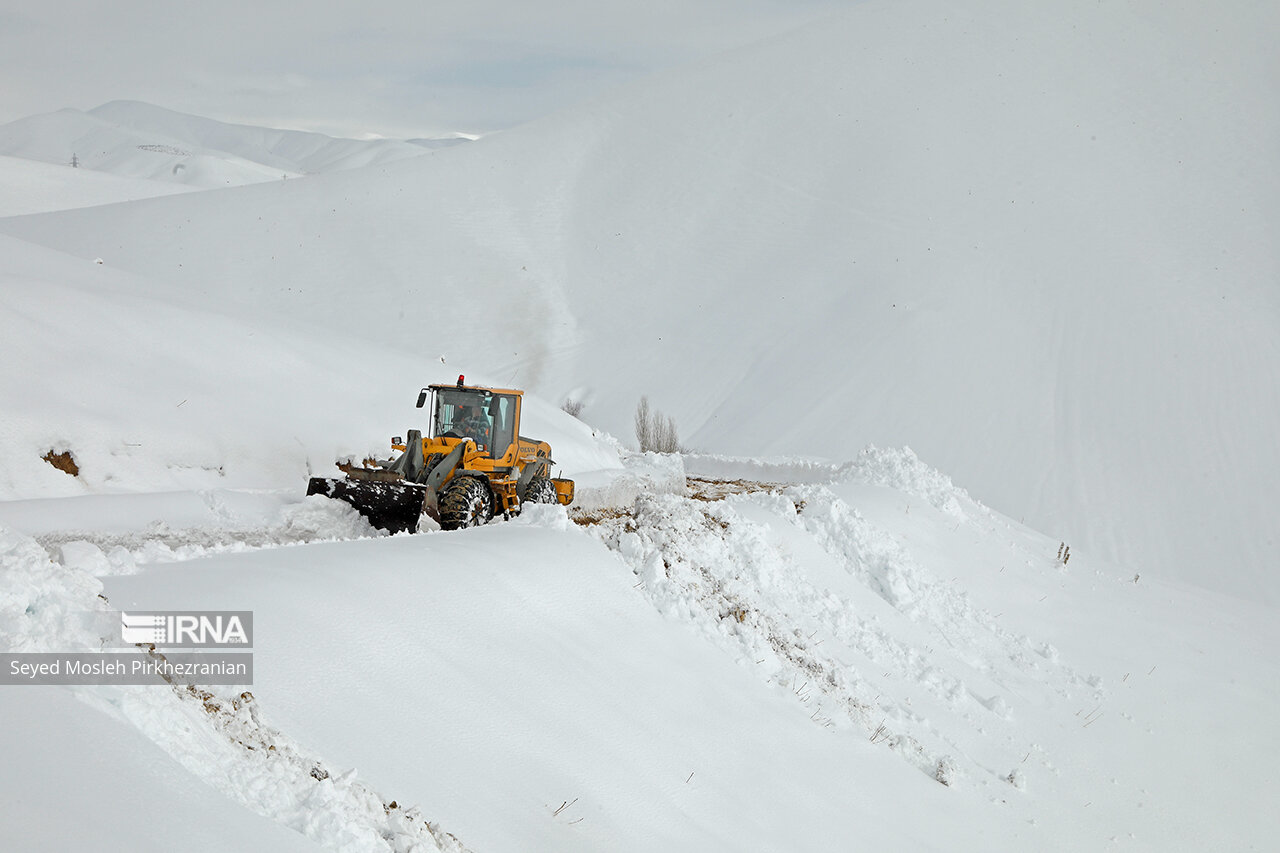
x=465, y=502
x=540, y=491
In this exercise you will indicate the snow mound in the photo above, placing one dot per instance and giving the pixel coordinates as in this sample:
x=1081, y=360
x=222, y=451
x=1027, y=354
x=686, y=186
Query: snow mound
x=41, y=600
x=640, y=474
x=901, y=469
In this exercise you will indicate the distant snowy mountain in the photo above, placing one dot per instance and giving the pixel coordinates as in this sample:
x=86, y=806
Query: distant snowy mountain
x=137, y=140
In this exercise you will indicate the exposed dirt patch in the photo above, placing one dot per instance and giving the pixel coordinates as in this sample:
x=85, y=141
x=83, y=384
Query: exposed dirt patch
x=63, y=461
x=587, y=518
x=702, y=489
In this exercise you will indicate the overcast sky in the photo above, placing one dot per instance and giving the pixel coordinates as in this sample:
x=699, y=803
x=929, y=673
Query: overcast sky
x=392, y=67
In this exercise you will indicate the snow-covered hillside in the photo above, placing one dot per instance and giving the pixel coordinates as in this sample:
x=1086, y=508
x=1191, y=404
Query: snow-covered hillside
x=137, y=140
x=32, y=187
x=149, y=396
x=1030, y=243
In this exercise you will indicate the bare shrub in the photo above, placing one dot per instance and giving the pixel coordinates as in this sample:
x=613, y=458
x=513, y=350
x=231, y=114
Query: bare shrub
x=571, y=407
x=655, y=431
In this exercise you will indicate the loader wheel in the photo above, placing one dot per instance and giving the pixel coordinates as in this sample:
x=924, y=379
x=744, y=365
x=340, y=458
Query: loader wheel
x=540, y=491
x=465, y=502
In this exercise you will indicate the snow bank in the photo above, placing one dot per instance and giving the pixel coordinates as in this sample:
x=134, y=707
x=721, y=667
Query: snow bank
x=42, y=602
x=735, y=571
x=894, y=468
x=640, y=474
x=901, y=469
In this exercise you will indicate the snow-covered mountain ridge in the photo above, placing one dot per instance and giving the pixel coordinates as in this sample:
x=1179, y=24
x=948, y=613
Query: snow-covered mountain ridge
x=136, y=140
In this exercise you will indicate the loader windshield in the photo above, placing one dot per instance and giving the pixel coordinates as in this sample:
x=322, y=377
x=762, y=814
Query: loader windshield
x=464, y=414
x=483, y=416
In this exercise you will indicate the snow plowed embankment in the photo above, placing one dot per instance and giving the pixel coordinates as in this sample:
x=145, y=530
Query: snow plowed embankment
x=824, y=622
x=647, y=677
x=825, y=605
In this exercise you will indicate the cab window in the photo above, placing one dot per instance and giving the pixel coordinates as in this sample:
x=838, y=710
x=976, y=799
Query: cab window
x=503, y=411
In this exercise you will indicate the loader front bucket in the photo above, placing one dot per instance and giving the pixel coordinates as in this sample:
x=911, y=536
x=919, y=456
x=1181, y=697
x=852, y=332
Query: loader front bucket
x=392, y=506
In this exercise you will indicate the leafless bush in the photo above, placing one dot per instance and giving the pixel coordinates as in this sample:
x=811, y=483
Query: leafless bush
x=655, y=431
x=571, y=407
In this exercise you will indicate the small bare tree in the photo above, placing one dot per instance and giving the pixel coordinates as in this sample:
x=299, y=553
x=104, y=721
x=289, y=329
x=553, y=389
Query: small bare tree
x=667, y=439
x=655, y=431
x=644, y=425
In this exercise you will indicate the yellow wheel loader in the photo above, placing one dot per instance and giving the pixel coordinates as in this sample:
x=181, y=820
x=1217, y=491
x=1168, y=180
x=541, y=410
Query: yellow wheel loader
x=471, y=465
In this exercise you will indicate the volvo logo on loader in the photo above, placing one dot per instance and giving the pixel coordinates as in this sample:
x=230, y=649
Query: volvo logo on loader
x=471, y=466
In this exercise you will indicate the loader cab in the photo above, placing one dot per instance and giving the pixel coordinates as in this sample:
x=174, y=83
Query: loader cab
x=488, y=417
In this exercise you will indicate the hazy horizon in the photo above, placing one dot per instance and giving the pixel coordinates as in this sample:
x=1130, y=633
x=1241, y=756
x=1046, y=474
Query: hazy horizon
x=388, y=68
